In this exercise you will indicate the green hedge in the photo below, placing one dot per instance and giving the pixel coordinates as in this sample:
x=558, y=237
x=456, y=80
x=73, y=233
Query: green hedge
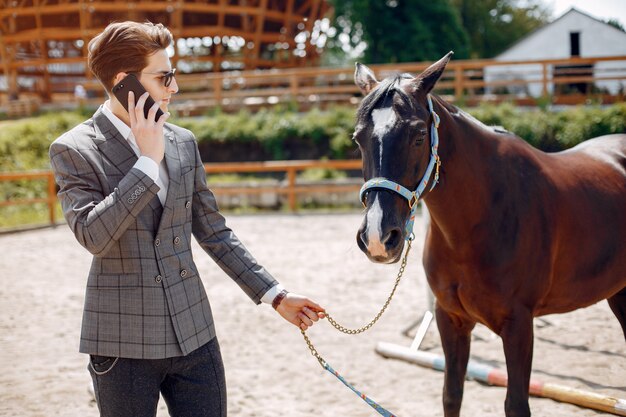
x=281, y=134
x=555, y=131
x=274, y=135
x=24, y=143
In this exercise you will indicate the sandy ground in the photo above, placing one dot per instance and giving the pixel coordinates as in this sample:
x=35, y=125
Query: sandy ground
x=269, y=369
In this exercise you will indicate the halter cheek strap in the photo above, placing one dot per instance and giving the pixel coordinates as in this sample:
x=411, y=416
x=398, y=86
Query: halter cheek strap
x=413, y=197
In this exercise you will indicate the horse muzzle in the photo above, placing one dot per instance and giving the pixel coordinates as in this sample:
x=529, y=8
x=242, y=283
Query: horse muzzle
x=385, y=247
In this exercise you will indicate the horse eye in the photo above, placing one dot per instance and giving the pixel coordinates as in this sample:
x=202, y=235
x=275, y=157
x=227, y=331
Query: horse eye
x=421, y=135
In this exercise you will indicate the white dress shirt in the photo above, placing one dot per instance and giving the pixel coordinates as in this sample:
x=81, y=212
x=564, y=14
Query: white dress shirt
x=158, y=174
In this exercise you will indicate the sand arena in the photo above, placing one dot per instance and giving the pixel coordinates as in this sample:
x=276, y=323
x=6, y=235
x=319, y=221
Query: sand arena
x=269, y=369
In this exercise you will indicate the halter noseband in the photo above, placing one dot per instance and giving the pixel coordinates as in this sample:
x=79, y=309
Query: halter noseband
x=413, y=197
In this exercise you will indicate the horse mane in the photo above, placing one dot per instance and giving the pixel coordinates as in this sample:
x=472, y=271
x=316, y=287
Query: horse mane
x=495, y=129
x=390, y=85
x=460, y=113
x=385, y=89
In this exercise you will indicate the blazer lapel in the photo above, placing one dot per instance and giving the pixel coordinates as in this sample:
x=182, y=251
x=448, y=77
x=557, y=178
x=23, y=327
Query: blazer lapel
x=172, y=161
x=112, y=146
x=117, y=151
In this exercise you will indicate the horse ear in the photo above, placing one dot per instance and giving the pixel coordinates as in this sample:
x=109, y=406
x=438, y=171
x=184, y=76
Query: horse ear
x=364, y=78
x=431, y=75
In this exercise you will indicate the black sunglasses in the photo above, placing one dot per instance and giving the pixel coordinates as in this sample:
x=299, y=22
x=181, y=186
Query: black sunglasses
x=167, y=76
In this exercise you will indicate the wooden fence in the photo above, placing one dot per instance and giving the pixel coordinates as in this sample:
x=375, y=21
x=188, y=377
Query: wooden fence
x=290, y=168
x=464, y=80
x=50, y=199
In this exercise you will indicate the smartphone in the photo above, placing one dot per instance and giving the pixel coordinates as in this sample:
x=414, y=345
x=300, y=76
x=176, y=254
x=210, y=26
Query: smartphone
x=131, y=83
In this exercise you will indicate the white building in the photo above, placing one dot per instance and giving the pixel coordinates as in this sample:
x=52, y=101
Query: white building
x=574, y=34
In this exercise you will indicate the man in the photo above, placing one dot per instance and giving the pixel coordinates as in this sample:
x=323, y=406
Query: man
x=133, y=191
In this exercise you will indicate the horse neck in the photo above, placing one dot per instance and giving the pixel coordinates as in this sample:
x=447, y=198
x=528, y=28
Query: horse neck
x=465, y=147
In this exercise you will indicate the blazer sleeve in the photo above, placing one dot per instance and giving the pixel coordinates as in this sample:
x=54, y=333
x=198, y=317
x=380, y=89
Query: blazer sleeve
x=97, y=221
x=219, y=241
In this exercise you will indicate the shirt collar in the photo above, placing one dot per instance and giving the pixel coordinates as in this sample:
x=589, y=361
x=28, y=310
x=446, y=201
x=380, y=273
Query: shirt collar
x=121, y=127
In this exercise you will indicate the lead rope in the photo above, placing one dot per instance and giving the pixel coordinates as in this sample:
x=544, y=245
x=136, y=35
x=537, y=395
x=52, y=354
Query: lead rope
x=380, y=409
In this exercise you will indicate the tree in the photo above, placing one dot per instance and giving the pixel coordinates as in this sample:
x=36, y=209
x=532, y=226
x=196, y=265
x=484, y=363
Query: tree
x=399, y=30
x=384, y=31
x=616, y=24
x=494, y=25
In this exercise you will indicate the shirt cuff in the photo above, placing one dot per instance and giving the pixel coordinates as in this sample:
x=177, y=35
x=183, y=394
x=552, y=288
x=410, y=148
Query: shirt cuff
x=148, y=166
x=269, y=296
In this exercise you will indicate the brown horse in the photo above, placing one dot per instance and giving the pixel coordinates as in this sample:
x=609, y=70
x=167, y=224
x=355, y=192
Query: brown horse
x=514, y=233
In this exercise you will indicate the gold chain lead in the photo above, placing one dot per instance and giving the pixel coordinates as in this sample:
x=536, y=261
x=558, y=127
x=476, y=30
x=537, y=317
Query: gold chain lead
x=382, y=310
x=371, y=323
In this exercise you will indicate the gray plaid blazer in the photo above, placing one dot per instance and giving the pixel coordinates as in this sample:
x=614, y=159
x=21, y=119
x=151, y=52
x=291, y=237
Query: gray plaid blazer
x=144, y=297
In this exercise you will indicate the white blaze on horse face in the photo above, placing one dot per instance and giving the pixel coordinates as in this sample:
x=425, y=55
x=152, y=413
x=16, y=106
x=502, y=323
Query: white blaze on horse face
x=374, y=230
x=383, y=119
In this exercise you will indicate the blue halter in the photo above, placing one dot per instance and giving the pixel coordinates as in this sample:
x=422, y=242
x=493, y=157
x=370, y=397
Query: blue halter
x=413, y=197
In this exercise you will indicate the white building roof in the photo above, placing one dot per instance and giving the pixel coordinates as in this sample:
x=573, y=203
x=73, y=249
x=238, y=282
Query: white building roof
x=552, y=41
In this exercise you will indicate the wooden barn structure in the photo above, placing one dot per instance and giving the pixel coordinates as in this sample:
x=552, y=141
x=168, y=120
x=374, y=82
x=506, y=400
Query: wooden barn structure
x=43, y=43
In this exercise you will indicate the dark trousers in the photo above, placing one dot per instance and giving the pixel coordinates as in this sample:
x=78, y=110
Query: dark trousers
x=192, y=385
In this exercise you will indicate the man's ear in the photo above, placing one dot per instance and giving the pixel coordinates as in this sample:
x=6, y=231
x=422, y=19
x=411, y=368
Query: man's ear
x=426, y=81
x=365, y=79
x=119, y=77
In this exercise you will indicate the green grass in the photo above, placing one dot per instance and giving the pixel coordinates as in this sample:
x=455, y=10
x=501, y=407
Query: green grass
x=19, y=216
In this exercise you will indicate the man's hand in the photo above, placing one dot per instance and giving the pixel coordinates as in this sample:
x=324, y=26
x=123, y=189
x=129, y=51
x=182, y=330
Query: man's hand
x=300, y=311
x=147, y=132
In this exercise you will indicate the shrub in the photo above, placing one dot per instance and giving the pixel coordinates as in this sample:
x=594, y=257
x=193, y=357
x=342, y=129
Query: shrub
x=284, y=134
x=24, y=143
x=555, y=131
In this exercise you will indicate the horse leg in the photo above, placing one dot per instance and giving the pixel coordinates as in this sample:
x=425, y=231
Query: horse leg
x=517, y=338
x=455, y=339
x=618, y=306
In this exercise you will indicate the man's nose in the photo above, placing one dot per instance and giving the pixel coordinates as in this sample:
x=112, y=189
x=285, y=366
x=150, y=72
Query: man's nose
x=173, y=87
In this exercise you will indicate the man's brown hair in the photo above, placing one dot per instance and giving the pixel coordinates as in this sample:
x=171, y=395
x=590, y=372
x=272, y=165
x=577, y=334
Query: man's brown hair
x=125, y=47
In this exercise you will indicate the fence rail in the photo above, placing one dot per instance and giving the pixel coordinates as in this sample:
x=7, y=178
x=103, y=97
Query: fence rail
x=469, y=80
x=291, y=168
x=50, y=198
x=464, y=80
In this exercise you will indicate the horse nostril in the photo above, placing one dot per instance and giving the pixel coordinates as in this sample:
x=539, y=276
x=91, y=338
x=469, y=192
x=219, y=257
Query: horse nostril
x=392, y=238
x=362, y=241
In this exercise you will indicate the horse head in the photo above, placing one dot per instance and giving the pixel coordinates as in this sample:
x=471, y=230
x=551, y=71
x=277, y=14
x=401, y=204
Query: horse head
x=400, y=162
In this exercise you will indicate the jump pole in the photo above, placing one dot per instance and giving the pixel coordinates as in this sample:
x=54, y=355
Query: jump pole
x=494, y=376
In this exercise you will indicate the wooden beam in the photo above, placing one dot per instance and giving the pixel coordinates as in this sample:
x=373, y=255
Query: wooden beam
x=301, y=10
x=85, y=22
x=221, y=14
x=46, y=10
x=46, y=91
x=6, y=61
x=23, y=63
x=309, y=48
x=177, y=26
x=260, y=22
x=221, y=8
x=8, y=58
x=288, y=25
x=201, y=31
x=218, y=9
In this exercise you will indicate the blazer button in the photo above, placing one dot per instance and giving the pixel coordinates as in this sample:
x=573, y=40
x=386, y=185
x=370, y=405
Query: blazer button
x=157, y=242
x=158, y=279
x=188, y=204
x=176, y=240
x=183, y=273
